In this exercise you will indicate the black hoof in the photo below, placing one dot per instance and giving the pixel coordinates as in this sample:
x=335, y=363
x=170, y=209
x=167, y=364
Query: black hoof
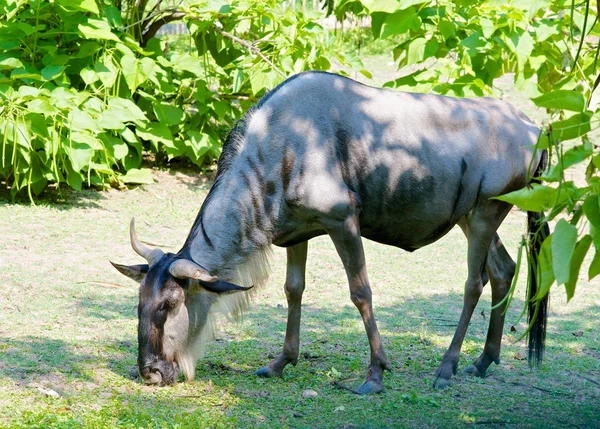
x=369, y=387
x=473, y=370
x=441, y=383
x=267, y=372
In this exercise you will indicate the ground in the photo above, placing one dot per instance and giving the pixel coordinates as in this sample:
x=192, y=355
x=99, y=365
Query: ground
x=68, y=331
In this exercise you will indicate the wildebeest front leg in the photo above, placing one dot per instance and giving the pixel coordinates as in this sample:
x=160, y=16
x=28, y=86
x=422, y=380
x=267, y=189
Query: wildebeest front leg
x=501, y=269
x=347, y=240
x=294, y=286
x=480, y=227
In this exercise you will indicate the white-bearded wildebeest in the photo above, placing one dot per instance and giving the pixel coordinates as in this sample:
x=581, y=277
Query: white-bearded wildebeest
x=323, y=154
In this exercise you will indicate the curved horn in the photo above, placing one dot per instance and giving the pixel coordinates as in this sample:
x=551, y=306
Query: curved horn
x=149, y=254
x=186, y=269
x=221, y=286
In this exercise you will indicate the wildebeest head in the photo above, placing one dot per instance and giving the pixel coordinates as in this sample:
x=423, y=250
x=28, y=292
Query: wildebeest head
x=175, y=299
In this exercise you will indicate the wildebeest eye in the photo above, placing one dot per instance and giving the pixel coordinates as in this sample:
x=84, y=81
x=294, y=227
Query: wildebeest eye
x=174, y=297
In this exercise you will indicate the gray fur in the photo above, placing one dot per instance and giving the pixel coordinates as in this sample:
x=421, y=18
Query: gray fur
x=414, y=163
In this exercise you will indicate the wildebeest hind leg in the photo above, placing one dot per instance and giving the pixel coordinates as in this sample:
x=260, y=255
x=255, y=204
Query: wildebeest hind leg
x=501, y=269
x=294, y=287
x=481, y=226
x=348, y=243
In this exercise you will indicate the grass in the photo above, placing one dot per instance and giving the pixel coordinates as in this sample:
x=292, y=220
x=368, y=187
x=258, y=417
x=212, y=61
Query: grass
x=59, y=331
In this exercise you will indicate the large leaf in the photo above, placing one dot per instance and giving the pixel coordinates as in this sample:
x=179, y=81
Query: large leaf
x=52, y=72
x=523, y=49
x=143, y=175
x=136, y=72
x=535, y=198
x=545, y=271
x=594, y=269
x=80, y=155
x=591, y=208
x=389, y=6
x=79, y=120
x=563, y=246
x=84, y=5
x=579, y=253
x=156, y=133
x=170, y=115
x=571, y=157
x=561, y=99
x=400, y=22
x=97, y=29
x=128, y=110
x=573, y=127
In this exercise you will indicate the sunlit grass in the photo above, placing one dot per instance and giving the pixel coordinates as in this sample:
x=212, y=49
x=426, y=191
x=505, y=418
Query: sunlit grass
x=61, y=332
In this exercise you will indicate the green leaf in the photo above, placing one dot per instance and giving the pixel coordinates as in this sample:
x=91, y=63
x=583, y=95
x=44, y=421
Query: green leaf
x=26, y=73
x=579, y=253
x=113, y=15
x=10, y=63
x=388, y=6
x=52, y=72
x=80, y=155
x=591, y=208
x=136, y=72
x=106, y=71
x=88, y=75
x=416, y=51
x=571, y=157
x=544, y=31
x=41, y=105
x=400, y=22
x=156, y=133
x=545, y=269
x=524, y=48
x=535, y=198
x=143, y=175
x=97, y=29
x=563, y=246
x=84, y=5
x=561, y=99
x=186, y=62
x=171, y=115
x=79, y=120
x=127, y=110
x=74, y=179
x=594, y=269
x=259, y=81
x=571, y=128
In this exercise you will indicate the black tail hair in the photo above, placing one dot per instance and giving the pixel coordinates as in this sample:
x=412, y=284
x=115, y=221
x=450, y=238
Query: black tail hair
x=537, y=311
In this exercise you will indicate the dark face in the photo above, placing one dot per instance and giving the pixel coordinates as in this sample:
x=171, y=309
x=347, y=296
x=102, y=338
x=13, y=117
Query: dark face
x=168, y=285
x=162, y=324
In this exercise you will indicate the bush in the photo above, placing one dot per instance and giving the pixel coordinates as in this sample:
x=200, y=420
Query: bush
x=85, y=92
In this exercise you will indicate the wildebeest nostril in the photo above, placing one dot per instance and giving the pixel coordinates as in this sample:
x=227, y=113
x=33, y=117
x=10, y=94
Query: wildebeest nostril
x=151, y=375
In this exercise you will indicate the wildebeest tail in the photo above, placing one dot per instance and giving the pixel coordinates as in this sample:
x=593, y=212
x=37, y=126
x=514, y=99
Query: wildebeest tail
x=537, y=310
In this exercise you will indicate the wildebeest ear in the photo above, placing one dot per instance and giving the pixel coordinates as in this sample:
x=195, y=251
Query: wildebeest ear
x=135, y=272
x=220, y=286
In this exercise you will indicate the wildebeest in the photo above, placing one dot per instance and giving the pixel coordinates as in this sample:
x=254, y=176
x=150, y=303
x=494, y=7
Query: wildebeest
x=323, y=154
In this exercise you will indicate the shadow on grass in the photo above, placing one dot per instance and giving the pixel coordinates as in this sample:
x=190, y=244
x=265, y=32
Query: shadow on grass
x=27, y=359
x=107, y=309
x=60, y=197
x=333, y=346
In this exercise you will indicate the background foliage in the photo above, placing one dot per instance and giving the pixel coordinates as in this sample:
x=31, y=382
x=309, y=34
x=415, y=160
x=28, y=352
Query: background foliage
x=85, y=90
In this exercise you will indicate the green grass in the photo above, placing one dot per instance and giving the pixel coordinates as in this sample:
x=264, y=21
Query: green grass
x=60, y=332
